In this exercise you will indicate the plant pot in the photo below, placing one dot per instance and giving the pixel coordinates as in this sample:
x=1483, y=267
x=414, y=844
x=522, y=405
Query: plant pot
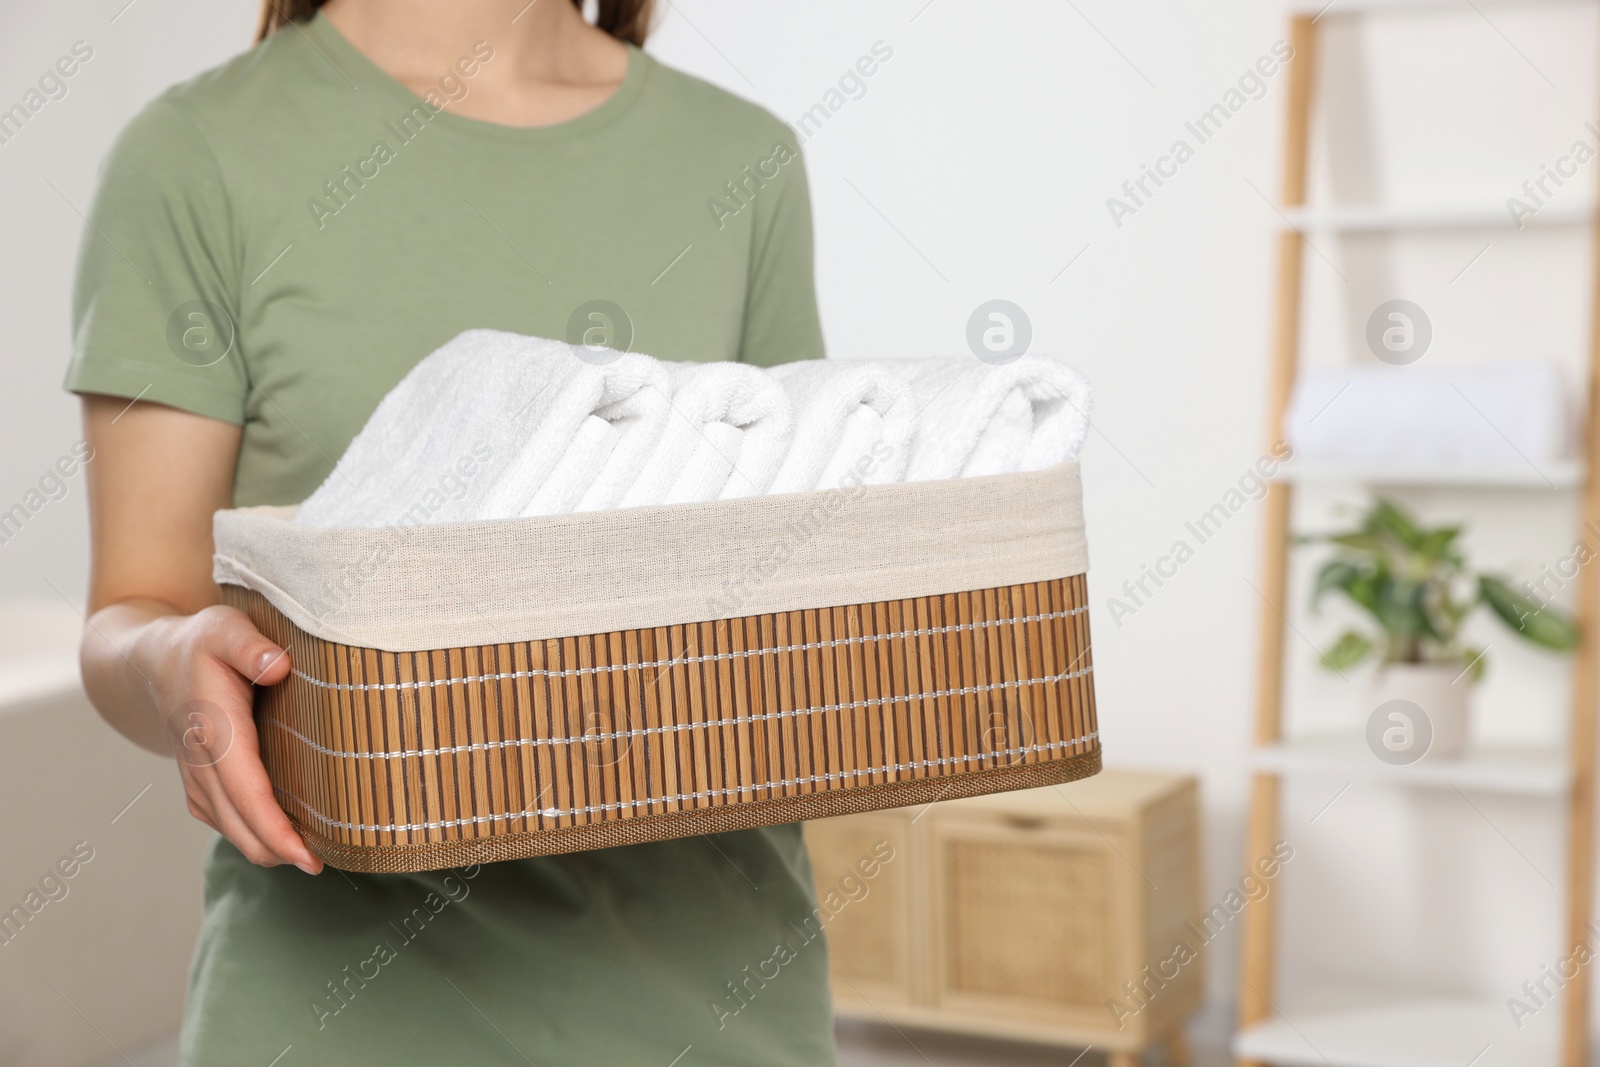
x=1440, y=690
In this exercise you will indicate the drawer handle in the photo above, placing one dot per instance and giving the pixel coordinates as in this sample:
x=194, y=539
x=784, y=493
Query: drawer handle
x=1025, y=822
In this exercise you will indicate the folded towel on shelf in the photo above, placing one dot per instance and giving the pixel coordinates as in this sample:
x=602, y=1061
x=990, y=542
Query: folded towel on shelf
x=728, y=429
x=975, y=418
x=852, y=420
x=1508, y=413
x=475, y=428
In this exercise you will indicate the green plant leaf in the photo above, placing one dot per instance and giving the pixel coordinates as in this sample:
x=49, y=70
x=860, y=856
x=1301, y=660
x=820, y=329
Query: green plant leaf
x=1351, y=648
x=1388, y=517
x=1360, y=540
x=1400, y=608
x=1436, y=545
x=1336, y=574
x=1368, y=588
x=1475, y=662
x=1538, y=623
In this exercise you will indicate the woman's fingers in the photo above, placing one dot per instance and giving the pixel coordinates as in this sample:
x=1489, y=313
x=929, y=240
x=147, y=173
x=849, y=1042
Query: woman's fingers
x=249, y=791
x=256, y=827
x=203, y=815
x=214, y=735
x=232, y=825
x=199, y=803
x=237, y=643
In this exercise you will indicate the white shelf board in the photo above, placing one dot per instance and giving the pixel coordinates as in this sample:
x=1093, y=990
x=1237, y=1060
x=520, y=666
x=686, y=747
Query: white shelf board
x=1360, y=7
x=1423, y=1032
x=1376, y=219
x=1527, y=771
x=1560, y=474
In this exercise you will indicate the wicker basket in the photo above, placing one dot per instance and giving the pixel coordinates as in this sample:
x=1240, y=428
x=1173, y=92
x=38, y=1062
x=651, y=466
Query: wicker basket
x=454, y=700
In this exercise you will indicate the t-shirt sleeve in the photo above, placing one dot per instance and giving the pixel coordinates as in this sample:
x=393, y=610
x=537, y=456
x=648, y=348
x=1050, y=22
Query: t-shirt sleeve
x=155, y=302
x=781, y=324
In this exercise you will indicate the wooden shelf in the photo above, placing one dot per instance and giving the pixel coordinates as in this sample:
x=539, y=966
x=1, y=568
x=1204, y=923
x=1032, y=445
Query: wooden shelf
x=1561, y=474
x=1421, y=1032
x=1382, y=219
x=1527, y=771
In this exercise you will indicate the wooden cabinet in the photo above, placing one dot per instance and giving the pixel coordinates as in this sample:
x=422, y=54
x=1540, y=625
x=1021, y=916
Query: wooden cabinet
x=871, y=941
x=1059, y=915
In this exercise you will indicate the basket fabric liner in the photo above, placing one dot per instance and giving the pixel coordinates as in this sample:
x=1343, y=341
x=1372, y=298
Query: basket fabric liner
x=495, y=690
x=413, y=588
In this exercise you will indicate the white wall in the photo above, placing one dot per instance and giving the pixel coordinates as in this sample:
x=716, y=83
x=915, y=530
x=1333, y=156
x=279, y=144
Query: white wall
x=47, y=178
x=977, y=165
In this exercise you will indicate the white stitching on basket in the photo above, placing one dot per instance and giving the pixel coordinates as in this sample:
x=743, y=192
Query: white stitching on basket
x=646, y=731
x=703, y=794
x=712, y=658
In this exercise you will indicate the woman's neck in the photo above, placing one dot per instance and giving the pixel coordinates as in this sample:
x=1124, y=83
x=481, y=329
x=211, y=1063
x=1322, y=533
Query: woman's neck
x=547, y=64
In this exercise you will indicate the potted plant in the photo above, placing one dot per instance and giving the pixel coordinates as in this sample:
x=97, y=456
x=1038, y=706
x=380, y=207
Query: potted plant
x=1415, y=585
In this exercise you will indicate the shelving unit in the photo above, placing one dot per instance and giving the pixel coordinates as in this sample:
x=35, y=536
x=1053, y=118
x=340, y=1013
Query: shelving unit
x=1405, y=1028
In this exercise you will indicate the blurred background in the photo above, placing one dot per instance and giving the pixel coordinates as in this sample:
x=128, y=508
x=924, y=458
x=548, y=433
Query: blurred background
x=1005, y=152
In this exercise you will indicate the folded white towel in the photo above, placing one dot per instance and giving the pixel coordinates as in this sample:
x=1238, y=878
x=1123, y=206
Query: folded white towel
x=594, y=430
x=975, y=418
x=440, y=438
x=483, y=423
x=639, y=418
x=854, y=420
x=579, y=469
x=707, y=475
x=495, y=425
x=728, y=429
x=1508, y=413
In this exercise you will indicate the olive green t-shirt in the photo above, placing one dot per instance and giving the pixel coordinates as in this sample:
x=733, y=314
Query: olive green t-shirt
x=275, y=244
x=278, y=241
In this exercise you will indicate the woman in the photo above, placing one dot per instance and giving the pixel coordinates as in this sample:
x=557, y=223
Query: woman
x=274, y=244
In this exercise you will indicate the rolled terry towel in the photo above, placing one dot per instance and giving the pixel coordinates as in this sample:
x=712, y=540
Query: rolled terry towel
x=728, y=429
x=1508, y=413
x=579, y=471
x=974, y=418
x=438, y=440
x=852, y=420
x=593, y=438
x=486, y=406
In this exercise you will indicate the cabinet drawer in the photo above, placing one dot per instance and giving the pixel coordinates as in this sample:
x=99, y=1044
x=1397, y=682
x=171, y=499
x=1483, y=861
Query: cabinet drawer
x=1030, y=921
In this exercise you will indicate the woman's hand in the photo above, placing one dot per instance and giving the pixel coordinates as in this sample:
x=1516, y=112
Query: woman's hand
x=203, y=669
x=184, y=685
x=163, y=662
